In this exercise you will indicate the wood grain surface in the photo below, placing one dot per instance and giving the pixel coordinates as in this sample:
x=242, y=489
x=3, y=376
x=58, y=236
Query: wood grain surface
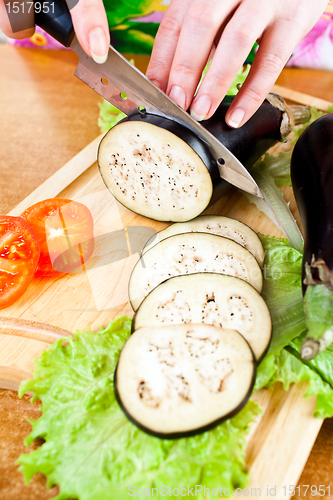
x=36, y=90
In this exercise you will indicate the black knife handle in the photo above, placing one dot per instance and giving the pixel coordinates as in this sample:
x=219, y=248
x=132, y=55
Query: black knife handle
x=55, y=19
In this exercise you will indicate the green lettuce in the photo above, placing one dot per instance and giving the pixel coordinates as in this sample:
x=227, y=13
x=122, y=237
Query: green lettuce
x=93, y=452
x=290, y=368
x=282, y=291
x=269, y=172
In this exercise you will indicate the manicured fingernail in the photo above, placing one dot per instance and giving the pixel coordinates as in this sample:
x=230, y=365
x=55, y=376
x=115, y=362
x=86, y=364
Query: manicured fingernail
x=177, y=94
x=157, y=84
x=236, y=118
x=98, y=44
x=201, y=107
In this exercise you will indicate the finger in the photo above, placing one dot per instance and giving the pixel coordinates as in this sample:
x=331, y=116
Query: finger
x=166, y=42
x=17, y=25
x=201, y=25
x=276, y=46
x=91, y=28
x=245, y=27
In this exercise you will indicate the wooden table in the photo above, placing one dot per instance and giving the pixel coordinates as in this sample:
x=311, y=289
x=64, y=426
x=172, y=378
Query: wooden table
x=47, y=116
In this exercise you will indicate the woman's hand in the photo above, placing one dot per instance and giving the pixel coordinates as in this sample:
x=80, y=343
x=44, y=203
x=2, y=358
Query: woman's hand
x=89, y=20
x=194, y=31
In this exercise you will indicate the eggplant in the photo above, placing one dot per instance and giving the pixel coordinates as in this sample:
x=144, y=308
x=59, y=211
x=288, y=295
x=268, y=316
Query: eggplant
x=215, y=224
x=162, y=170
x=191, y=253
x=213, y=299
x=180, y=380
x=312, y=179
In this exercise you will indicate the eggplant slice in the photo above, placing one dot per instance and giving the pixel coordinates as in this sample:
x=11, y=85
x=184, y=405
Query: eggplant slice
x=179, y=380
x=155, y=173
x=162, y=170
x=215, y=224
x=191, y=253
x=213, y=299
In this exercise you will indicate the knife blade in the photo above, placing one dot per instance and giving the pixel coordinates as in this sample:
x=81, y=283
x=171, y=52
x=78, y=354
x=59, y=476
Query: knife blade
x=127, y=88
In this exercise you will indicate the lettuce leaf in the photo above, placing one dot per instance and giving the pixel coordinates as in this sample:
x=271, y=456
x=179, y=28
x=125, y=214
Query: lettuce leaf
x=94, y=453
x=291, y=369
x=266, y=172
x=282, y=291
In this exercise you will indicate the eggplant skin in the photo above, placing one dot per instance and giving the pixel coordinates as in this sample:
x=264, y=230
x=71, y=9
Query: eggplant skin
x=124, y=180
x=312, y=180
x=249, y=142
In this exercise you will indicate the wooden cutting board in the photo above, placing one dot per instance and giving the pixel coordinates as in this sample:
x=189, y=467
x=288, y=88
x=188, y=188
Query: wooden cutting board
x=281, y=440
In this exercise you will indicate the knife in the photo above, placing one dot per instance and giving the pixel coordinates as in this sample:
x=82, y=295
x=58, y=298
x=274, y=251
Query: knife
x=127, y=88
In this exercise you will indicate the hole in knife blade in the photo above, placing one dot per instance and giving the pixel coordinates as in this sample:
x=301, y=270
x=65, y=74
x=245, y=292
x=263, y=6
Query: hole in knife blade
x=220, y=161
x=142, y=110
x=104, y=81
x=123, y=95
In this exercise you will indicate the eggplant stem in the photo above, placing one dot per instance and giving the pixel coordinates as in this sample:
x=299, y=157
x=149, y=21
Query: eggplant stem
x=311, y=348
x=302, y=114
x=292, y=115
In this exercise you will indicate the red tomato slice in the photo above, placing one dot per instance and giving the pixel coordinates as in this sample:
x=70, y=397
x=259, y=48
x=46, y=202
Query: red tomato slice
x=65, y=231
x=19, y=255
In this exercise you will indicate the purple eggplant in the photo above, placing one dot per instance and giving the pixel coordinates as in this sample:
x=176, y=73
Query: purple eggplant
x=162, y=170
x=312, y=180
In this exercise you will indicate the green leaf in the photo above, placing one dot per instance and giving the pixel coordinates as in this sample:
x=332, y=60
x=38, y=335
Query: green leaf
x=277, y=167
x=93, y=452
x=109, y=115
x=130, y=40
x=118, y=12
x=239, y=79
x=290, y=369
x=274, y=205
x=318, y=305
x=282, y=292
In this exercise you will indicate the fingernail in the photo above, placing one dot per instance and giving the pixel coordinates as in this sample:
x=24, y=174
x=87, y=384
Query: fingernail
x=157, y=84
x=236, y=118
x=201, y=107
x=98, y=44
x=177, y=94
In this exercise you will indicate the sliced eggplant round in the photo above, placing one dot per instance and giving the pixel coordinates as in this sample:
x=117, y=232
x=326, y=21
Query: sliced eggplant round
x=176, y=381
x=161, y=173
x=191, y=253
x=213, y=299
x=215, y=224
x=165, y=172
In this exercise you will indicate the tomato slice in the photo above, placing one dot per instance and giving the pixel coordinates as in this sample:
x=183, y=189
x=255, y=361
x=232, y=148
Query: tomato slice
x=19, y=255
x=65, y=231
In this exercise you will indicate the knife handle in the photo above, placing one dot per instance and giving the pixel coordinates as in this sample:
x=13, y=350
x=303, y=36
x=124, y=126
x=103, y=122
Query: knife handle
x=56, y=21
